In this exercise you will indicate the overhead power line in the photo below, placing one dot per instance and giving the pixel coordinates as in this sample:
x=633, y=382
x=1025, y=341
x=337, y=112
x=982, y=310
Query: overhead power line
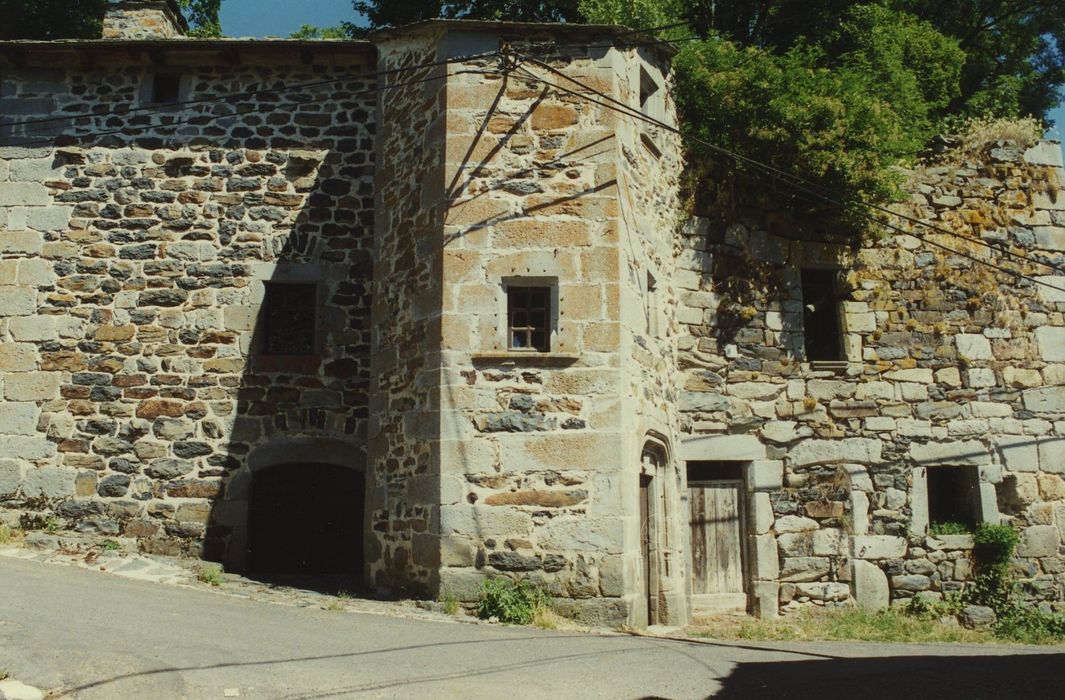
x=807, y=186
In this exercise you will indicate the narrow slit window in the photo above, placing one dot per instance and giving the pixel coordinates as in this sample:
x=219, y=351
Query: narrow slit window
x=648, y=93
x=289, y=319
x=529, y=318
x=652, y=306
x=823, y=334
x=166, y=88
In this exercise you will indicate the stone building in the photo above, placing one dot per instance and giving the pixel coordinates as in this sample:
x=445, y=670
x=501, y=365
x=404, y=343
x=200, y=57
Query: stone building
x=421, y=309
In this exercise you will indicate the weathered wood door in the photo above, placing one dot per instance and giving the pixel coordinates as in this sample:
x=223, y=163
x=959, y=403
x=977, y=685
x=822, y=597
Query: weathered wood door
x=718, y=580
x=646, y=550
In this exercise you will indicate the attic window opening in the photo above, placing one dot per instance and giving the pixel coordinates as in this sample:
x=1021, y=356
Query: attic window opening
x=821, y=301
x=529, y=318
x=289, y=319
x=649, y=90
x=953, y=495
x=166, y=88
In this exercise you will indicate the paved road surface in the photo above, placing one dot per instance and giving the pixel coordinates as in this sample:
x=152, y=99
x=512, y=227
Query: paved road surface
x=92, y=635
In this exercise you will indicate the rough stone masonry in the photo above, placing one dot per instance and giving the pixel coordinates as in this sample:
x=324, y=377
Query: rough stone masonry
x=239, y=268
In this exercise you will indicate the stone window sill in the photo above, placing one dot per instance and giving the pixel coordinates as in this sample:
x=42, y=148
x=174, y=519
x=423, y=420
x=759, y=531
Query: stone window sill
x=525, y=358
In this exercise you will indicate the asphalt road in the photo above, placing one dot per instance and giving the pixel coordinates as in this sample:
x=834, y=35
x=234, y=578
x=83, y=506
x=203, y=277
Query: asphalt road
x=87, y=634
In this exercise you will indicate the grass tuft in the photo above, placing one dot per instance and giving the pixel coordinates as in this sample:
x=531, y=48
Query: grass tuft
x=210, y=574
x=10, y=535
x=841, y=624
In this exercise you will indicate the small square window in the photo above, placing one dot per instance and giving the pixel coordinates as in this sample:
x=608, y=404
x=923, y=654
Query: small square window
x=823, y=334
x=529, y=318
x=289, y=319
x=953, y=495
x=166, y=88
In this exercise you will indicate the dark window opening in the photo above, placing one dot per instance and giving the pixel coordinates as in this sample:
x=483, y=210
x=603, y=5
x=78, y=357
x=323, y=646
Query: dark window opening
x=714, y=470
x=823, y=334
x=529, y=318
x=652, y=305
x=648, y=89
x=953, y=495
x=166, y=88
x=289, y=319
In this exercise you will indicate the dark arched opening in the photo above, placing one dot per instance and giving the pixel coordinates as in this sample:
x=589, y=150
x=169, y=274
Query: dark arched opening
x=306, y=520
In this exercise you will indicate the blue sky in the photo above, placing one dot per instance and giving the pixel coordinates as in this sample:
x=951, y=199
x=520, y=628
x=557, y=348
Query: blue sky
x=282, y=17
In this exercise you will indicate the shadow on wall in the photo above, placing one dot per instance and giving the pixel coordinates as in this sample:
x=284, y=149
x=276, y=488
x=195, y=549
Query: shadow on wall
x=291, y=507
x=223, y=268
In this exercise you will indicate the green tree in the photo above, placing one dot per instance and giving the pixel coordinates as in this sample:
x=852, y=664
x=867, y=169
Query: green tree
x=393, y=13
x=309, y=31
x=51, y=19
x=82, y=19
x=202, y=16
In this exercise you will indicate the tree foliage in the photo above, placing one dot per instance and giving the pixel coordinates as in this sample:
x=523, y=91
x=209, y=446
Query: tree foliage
x=836, y=91
x=202, y=16
x=309, y=31
x=51, y=19
x=393, y=13
x=82, y=19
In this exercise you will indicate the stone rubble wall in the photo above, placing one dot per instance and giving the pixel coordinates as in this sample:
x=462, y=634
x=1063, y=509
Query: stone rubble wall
x=535, y=466
x=647, y=171
x=404, y=454
x=131, y=273
x=948, y=364
x=144, y=19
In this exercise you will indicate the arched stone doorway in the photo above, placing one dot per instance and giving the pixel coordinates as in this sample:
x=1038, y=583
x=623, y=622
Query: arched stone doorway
x=306, y=519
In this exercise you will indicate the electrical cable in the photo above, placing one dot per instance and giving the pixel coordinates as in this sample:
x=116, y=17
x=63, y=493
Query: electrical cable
x=793, y=180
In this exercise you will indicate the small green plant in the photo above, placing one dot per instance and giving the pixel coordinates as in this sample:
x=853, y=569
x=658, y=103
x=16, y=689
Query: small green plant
x=110, y=546
x=512, y=602
x=210, y=574
x=52, y=525
x=9, y=535
x=344, y=595
x=928, y=608
x=334, y=606
x=449, y=602
x=949, y=528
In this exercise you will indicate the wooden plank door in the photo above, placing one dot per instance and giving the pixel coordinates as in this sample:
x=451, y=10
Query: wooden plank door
x=718, y=579
x=645, y=542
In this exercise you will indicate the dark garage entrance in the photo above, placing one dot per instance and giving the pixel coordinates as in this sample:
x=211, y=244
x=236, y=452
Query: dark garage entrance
x=306, y=520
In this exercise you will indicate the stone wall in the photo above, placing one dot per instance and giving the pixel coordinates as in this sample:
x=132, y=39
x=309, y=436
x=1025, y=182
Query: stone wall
x=144, y=19
x=404, y=485
x=947, y=363
x=132, y=269
x=535, y=466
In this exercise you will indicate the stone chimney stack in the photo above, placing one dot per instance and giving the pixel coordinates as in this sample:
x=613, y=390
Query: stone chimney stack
x=144, y=19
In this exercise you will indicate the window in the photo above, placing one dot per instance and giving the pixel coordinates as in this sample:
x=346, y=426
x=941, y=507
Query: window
x=289, y=319
x=714, y=470
x=648, y=94
x=166, y=88
x=953, y=495
x=651, y=309
x=529, y=318
x=823, y=335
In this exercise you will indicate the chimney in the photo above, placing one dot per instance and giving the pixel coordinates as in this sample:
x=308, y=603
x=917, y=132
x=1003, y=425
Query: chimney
x=144, y=19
